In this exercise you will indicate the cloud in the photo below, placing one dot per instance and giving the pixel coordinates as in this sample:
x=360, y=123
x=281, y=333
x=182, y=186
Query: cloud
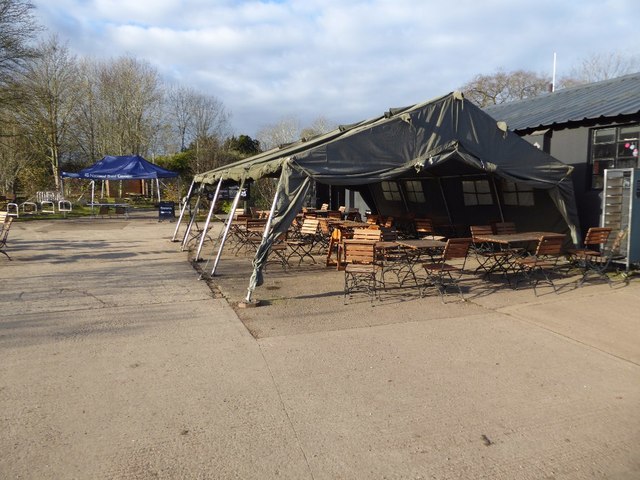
x=346, y=61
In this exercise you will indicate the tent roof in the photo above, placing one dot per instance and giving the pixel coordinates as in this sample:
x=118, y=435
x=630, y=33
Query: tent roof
x=122, y=168
x=416, y=138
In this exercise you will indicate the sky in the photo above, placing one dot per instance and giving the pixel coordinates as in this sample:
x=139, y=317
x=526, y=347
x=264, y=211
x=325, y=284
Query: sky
x=342, y=60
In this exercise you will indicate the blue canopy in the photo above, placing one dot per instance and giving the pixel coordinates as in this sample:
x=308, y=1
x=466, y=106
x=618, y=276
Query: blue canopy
x=122, y=168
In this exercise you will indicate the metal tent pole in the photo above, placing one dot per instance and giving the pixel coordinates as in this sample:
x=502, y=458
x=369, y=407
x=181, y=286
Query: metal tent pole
x=495, y=189
x=206, y=223
x=158, y=187
x=267, y=229
x=185, y=239
x=93, y=195
x=444, y=197
x=228, y=226
x=182, y=210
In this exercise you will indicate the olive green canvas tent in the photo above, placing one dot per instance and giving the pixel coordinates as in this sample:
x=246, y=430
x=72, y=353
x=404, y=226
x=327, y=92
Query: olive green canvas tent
x=447, y=137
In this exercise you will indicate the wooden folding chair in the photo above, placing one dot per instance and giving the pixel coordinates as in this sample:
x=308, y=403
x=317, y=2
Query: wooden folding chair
x=373, y=219
x=362, y=270
x=597, y=260
x=507, y=228
x=543, y=263
x=278, y=253
x=306, y=241
x=594, y=242
x=441, y=273
x=490, y=259
x=423, y=227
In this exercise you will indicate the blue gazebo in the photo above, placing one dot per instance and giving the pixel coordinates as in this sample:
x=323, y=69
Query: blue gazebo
x=127, y=167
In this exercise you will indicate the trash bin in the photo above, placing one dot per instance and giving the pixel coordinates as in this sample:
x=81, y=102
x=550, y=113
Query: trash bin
x=166, y=211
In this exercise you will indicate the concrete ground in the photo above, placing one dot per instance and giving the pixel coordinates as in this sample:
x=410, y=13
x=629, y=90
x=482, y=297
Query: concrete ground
x=118, y=362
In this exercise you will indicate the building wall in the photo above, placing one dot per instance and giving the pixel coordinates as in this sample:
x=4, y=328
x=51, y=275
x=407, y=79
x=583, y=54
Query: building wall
x=571, y=145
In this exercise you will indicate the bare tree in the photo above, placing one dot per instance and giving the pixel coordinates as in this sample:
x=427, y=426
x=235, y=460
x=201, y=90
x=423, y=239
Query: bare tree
x=319, y=126
x=287, y=130
x=180, y=111
x=600, y=66
x=15, y=154
x=17, y=29
x=201, y=122
x=85, y=124
x=501, y=87
x=210, y=126
x=49, y=94
x=128, y=106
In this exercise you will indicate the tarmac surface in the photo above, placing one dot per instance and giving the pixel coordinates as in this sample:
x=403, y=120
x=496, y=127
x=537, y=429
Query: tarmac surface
x=118, y=361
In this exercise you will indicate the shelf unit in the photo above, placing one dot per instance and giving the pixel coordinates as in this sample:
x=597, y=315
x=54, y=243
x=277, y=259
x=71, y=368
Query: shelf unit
x=621, y=210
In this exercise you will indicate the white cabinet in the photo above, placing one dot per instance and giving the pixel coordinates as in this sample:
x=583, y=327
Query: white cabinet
x=621, y=209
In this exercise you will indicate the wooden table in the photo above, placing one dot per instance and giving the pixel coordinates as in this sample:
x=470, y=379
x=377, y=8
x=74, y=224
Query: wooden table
x=506, y=241
x=417, y=249
x=399, y=256
x=421, y=243
x=520, y=237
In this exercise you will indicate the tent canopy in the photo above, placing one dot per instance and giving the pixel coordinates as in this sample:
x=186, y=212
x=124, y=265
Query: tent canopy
x=427, y=140
x=419, y=138
x=122, y=168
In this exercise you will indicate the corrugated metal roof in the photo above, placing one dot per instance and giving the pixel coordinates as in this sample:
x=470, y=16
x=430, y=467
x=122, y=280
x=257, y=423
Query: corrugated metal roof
x=609, y=98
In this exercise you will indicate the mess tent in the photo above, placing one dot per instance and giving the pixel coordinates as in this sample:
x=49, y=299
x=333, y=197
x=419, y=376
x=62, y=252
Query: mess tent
x=125, y=167
x=470, y=169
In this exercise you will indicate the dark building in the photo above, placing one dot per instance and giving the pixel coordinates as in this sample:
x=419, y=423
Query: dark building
x=590, y=127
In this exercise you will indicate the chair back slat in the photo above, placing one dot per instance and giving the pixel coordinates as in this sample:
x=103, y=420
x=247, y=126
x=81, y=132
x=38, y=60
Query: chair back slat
x=324, y=227
x=505, y=228
x=255, y=222
x=456, y=248
x=369, y=234
x=597, y=236
x=361, y=252
x=309, y=226
x=423, y=226
x=550, y=246
x=480, y=230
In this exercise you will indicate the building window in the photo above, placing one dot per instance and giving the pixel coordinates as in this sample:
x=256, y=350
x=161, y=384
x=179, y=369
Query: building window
x=391, y=191
x=613, y=147
x=517, y=194
x=415, y=193
x=477, y=192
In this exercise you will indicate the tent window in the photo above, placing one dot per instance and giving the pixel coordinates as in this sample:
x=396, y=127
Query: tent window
x=517, y=194
x=477, y=192
x=391, y=191
x=613, y=147
x=414, y=190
